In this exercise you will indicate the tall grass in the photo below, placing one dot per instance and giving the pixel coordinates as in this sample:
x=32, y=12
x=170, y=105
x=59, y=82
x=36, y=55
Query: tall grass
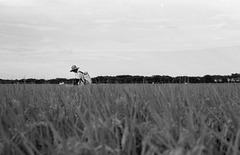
x=120, y=119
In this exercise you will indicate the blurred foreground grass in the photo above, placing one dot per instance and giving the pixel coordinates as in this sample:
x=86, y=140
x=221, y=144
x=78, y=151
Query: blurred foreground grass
x=201, y=119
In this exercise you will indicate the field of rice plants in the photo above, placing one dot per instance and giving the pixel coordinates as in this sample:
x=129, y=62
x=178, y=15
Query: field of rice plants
x=133, y=119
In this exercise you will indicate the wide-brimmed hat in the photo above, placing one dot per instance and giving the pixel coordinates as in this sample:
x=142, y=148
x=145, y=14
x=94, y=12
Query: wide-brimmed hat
x=74, y=67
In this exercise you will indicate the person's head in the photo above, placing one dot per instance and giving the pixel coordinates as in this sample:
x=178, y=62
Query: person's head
x=74, y=68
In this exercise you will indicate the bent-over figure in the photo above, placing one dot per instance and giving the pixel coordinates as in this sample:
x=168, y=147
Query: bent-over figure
x=83, y=77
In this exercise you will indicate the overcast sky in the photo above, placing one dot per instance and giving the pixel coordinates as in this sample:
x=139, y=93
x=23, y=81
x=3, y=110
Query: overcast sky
x=44, y=38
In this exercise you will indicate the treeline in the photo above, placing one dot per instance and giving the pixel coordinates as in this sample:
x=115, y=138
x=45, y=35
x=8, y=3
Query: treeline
x=233, y=78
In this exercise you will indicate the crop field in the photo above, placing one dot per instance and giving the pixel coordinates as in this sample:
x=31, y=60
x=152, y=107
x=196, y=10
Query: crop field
x=114, y=119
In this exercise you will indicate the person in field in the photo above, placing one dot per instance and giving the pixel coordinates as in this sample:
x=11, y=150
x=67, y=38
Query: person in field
x=83, y=77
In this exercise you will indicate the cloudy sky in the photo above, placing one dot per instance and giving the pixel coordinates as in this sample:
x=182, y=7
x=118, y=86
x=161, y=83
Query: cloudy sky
x=44, y=38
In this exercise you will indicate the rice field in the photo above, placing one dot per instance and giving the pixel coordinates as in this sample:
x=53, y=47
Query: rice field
x=133, y=119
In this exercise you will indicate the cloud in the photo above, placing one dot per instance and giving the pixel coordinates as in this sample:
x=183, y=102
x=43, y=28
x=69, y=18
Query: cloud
x=18, y=3
x=113, y=57
x=18, y=50
x=220, y=39
x=30, y=26
x=47, y=39
x=65, y=52
x=135, y=24
x=9, y=35
x=36, y=27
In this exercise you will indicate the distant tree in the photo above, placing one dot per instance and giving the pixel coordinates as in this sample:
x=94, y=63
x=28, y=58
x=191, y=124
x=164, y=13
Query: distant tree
x=208, y=79
x=40, y=81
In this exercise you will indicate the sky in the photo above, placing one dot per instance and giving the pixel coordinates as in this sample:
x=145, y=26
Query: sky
x=44, y=38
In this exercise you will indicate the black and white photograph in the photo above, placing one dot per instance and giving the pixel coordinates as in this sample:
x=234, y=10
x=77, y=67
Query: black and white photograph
x=119, y=77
